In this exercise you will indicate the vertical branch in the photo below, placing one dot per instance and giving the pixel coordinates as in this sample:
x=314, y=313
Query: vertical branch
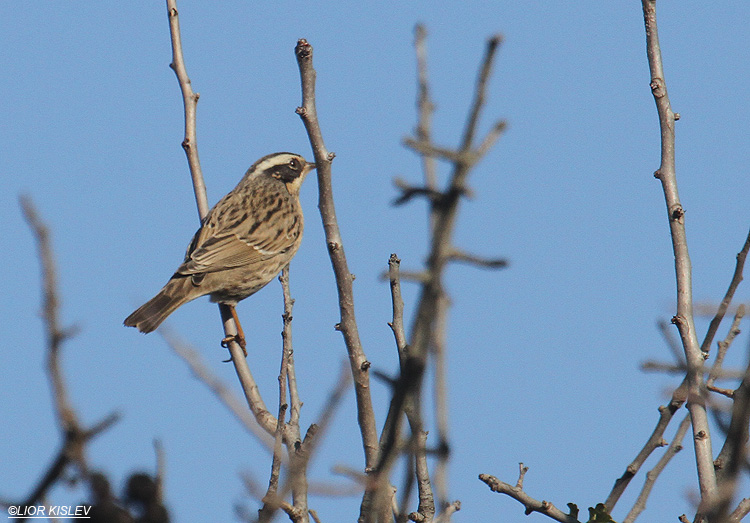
x=190, y=105
x=441, y=402
x=423, y=133
x=684, y=317
x=297, y=459
x=74, y=436
x=190, y=101
x=348, y=325
x=425, y=108
x=56, y=335
x=733, y=454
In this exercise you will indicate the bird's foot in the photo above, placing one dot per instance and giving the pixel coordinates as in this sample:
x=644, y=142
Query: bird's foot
x=237, y=338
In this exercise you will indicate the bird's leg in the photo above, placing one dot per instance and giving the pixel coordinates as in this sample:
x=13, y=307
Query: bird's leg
x=240, y=336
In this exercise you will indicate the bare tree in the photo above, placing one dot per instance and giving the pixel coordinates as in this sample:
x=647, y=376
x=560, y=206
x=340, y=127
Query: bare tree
x=410, y=438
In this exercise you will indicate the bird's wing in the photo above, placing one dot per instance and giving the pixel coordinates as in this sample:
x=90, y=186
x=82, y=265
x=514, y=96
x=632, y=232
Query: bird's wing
x=211, y=250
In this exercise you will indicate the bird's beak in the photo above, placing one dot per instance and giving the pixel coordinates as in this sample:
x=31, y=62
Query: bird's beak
x=309, y=167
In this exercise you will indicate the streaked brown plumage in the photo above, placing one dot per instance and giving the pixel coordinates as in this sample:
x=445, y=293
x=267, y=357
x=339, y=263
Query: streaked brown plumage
x=245, y=240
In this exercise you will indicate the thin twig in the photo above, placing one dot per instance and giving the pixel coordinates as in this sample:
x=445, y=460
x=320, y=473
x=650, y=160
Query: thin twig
x=672, y=342
x=261, y=424
x=724, y=305
x=530, y=504
x=397, y=324
x=348, y=324
x=674, y=447
x=655, y=441
x=408, y=192
x=297, y=459
x=670, y=368
x=683, y=272
x=733, y=454
x=478, y=261
x=426, y=507
x=449, y=510
x=56, y=335
x=425, y=106
x=522, y=470
x=724, y=345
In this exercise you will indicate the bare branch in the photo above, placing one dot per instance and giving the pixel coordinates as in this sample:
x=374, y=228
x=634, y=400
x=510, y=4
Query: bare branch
x=729, y=393
x=724, y=305
x=190, y=145
x=426, y=507
x=724, y=345
x=531, y=504
x=425, y=108
x=262, y=424
x=409, y=191
x=430, y=150
x=314, y=516
x=348, y=324
x=74, y=436
x=655, y=441
x=742, y=510
x=522, y=470
x=190, y=105
x=672, y=342
x=497, y=130
x=440, y=385
x=56, y=335
x=489, y=263
x=653, y=474
x=670, y=368
x=450, y=509
x=683, y=272
x=397, y=325
x=734, y=452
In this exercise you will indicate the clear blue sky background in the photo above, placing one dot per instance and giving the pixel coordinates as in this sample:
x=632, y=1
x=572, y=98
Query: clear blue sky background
x=544, y=356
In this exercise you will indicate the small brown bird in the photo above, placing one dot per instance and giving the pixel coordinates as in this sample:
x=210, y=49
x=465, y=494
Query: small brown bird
x=243, y=243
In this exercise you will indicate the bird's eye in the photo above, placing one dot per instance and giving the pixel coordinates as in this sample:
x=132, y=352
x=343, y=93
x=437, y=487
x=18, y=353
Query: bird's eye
x=294, y=164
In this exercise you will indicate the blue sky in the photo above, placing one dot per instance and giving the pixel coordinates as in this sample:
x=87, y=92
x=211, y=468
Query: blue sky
x=543, y=355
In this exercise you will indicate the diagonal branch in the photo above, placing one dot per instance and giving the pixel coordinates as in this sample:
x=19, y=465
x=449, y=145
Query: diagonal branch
x=653, y=474
x=724, y=305
x=348, y=324
x=261, y=424
x=530, y=504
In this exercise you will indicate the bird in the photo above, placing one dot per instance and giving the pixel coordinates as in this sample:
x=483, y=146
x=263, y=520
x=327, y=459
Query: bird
x=243, y=243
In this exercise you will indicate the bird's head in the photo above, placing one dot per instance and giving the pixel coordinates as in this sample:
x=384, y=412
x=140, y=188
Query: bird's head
x=288, y=168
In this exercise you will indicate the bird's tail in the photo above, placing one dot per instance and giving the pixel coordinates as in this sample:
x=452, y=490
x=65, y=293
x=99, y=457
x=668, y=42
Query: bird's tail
x=150, y=315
